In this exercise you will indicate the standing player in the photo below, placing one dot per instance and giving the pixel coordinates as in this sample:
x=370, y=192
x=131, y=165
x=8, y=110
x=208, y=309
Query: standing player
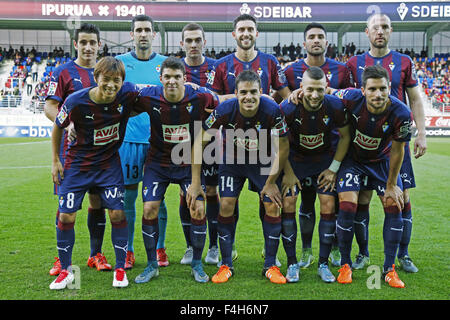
x=337, y=76
x=381, y=124
x=198, y=69
x=403, y=85
x=246, y=57
x=141, y=67
x=99, y=115
x=173, y=110
x=66, y=79
x=319, y=138
x=249, y=121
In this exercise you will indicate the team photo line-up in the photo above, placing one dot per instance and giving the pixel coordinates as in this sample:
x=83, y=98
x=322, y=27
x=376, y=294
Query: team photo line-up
x=316, y=128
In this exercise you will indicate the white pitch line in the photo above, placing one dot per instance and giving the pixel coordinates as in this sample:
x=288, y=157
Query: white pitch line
x=24, y=167
x=21, y=143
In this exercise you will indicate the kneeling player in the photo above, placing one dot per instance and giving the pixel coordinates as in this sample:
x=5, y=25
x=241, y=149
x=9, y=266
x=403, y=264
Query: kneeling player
x=314, y=159
x=248, y=123
x=173, y=110
x=100, y=115
x=380, y=125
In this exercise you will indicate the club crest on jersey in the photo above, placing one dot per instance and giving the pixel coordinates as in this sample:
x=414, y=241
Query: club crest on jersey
x=329, y=76
x=176, y=133
x=158, y=68
x=311, y=141
x=106, y=135
x=61, y=201
x=326, y=119
x=392, y=66
x=385, y=126
x=341, y=182
x=259, y=72
x=145, y=191
x=366, y=142
x=258, y=126
x=52, y=88
x=120, y=108
x=189, y=107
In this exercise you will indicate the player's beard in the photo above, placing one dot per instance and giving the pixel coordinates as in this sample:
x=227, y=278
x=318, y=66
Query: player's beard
x=310, y=107
x=316, y=53
x=251, y=45
x=382, y=45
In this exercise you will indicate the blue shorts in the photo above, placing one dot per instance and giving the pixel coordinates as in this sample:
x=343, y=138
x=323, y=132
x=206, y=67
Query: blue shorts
x=406, y=171
x=132, y=156
x=232, y=178
x=352, y=176
x=210, y=174
x=157, y=179
x=107, y=183
x=308, y=172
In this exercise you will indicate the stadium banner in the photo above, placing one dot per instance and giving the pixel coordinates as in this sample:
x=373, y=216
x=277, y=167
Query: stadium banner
x=435, y=126
x=25, y=131
x=437, y=121
x=426, y=11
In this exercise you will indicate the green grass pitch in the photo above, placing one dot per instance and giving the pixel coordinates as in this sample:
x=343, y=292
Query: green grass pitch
x=28, y=244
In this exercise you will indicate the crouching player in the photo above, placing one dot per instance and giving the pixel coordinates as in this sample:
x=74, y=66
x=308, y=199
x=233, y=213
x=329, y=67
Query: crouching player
x=248, y=123
x=99, y=115
x=173, y=108
x=380, y=126
x=319, y=140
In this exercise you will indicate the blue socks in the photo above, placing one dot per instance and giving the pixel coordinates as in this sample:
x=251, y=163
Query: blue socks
x=119, y=238
x=327, y=228
x=226, y=228
x=289, y=235
x=361, y=224
x=272, y=231
x=307, y=217
x=407, y=230
x=129, y=200
x=162, y=221
x=212, y=211
x=150, y=233
x=198, y=237
x=185, y=218
x=65, y=239
x=392, y=234
x=96, y=224
x=345, y=230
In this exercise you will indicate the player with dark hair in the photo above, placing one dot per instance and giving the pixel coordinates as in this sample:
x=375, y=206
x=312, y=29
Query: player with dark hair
x=319, y=138
x=403, y=85
x=337, y=76
x=246, y=57
x=66, y=79
x=173, y=109
x=92, y=161
x=142, y=67
x=198, y=70
x=249, y=122
x=381, y=124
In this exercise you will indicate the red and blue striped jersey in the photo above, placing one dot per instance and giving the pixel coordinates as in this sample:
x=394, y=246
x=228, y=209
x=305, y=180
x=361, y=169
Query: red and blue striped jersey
x=100, y=128
x=223, y=77
x=66, y=79
x=69, y=78
x=312, y=134
x=199, y=74
x=400, y=67
x=372, y=134
x=173, y=123
x=337, y=74
x=256, y=131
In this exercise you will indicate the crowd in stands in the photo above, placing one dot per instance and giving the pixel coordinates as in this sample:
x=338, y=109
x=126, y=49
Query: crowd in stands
x=432, y=72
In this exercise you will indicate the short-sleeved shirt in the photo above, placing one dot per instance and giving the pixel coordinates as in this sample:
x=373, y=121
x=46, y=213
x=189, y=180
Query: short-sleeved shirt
x=312, y=134
x=199, y=74
x=372, y=134
x=223, y=77
x=142, y=73
x=173, y=123
x=400, y=67
x=268, y=122
x=337, y=74
x=100, y=128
